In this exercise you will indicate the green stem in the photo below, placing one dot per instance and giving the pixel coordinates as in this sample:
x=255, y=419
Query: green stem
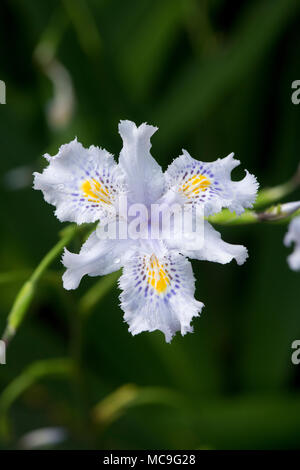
x=114, y=405
x=83, y=21
x=96, y=292
x=11, y=277
x=225, y=217
x=273, y=214
x=27, y=291
x=271, y=195
x=51, y=38
x=34, y=373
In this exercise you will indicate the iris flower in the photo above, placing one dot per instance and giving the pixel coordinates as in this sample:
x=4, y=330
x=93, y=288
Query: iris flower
x=157, y=284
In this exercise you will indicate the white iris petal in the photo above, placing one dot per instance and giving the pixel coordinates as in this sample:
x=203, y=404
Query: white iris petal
x=144, y=175
x=210, y=184
x=81, y=183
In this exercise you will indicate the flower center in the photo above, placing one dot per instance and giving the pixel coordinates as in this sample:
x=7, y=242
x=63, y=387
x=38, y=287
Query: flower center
x=194, y=185
x=158, y=277
x=95, y=192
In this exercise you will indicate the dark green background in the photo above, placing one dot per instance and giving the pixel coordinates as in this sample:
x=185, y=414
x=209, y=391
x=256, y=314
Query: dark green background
x=215, y=77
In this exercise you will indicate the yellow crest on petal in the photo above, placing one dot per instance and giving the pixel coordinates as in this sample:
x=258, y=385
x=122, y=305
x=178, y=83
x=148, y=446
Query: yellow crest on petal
x=194, y=185
x=95, y=192
x=158, y=277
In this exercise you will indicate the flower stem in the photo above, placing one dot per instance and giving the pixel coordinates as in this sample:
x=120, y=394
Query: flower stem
x=96, y=292
x=225, y=217
x=27, y=291
x=277, y=213
x=271, y=195
x=61, y=367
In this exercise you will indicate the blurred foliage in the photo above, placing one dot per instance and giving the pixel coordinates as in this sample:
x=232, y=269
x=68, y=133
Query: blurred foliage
x=215, y=76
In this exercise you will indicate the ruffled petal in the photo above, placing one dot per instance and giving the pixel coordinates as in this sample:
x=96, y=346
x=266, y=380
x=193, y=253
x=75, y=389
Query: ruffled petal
x=210, y=184
x=158, y=294
x=144, y=176
x=97, y=257
x=293, y=236
x=83, y=184
x=212, y=248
